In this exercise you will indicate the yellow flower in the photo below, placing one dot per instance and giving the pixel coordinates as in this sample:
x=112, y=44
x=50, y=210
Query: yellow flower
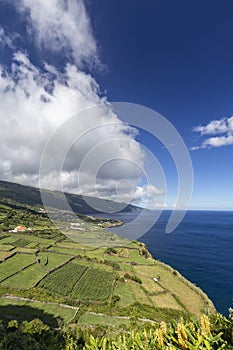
x=182, y=335
x=205, y=324
x=163, y=327
x=159, y=335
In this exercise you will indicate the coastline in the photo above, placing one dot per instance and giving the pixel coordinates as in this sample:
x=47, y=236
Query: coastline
x=209, y=304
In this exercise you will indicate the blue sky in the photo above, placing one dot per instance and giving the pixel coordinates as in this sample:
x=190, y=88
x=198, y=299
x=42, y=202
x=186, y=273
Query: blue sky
x=174, y=57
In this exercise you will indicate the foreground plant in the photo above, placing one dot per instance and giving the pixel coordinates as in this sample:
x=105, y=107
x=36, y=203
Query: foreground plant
x=179, y=335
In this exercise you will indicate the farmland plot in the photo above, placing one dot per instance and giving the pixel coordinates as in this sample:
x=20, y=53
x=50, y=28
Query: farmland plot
x=62, y=280
x=14, y=264
x=26, y=278
x=94, y=285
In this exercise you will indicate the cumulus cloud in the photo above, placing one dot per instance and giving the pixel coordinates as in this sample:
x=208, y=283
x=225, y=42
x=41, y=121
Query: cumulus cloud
x=220, y=130
x=36, y=101
x=61, y=26
x=30, y=113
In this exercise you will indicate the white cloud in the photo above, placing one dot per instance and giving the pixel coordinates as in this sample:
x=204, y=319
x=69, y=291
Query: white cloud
x=29, y=114
x=215, y=127
x=222, y=127
x=218, y=141
x=60, y=25
x=36, y=101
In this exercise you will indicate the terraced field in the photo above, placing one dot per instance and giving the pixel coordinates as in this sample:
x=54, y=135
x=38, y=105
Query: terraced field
x=90, y=276
x=95, y=285
x=118, y=281
x=63, y=280
x=79, y=282
x=15, y=264
x=28, y=310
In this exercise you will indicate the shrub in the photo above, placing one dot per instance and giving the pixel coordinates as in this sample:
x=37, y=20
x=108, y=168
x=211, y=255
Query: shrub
x=132, y=278
x=110, y=250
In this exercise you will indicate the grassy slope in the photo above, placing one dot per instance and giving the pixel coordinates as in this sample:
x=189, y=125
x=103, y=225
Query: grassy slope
x=119, y=293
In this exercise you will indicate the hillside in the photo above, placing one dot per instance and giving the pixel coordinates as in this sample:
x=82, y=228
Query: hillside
x=27, y=195
x=45, y=274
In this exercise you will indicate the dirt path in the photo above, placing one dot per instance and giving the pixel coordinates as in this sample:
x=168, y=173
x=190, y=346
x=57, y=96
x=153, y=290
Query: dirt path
x=120, y=317
x=11, y=297
x=38, y=301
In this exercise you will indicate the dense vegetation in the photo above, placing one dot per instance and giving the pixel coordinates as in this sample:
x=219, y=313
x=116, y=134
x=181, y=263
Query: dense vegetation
x=80, y=282
x=206, y=333
x=63, y=280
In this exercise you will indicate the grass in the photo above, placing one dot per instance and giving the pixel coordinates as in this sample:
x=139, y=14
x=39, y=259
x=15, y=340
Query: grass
x=135, y=256
x=6, y=247
x=62, y=280
x=14, y=264
x=9, y=239
x=125, y=267
x=96, y=237
x=26, y=250
x=26, y=278
x=98, y=253
x=128, y=255
x=166, y=300
x=124, y=253
x=38, y=245
x=4, y=255
x=66, y=251
x=100, y=266
x=125, y=293
x=139, y=293
x=51, y=260
x=172, y=283
x=70, y=245
x=20, y=243
x=94, y=285
x=90, y=319
x=27, y=310
x=2, y=235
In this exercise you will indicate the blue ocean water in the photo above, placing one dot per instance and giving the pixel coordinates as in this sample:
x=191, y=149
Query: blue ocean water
x=201, y=248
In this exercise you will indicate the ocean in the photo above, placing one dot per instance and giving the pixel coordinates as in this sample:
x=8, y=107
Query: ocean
x=200, y=248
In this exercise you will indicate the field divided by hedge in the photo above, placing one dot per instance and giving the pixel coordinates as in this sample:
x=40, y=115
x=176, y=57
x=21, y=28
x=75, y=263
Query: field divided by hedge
x=63, y=279
x=94, y=285
x=79, y=282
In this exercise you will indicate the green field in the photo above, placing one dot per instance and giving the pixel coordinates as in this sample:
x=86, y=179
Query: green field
x=15, y=264
x=20, y=243
x=66, y=251
x=94, y=285
x=80, y=282
x=126, y=295
x=51, y=260
x=8, y=239
x=62, y=280
x=5, y=254
x=90, y=319
x=28, y=310
x=26, y=278
x=25, y=250
x=6, y=247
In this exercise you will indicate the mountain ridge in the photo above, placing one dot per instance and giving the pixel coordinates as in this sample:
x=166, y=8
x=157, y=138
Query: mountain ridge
x=30, y=195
